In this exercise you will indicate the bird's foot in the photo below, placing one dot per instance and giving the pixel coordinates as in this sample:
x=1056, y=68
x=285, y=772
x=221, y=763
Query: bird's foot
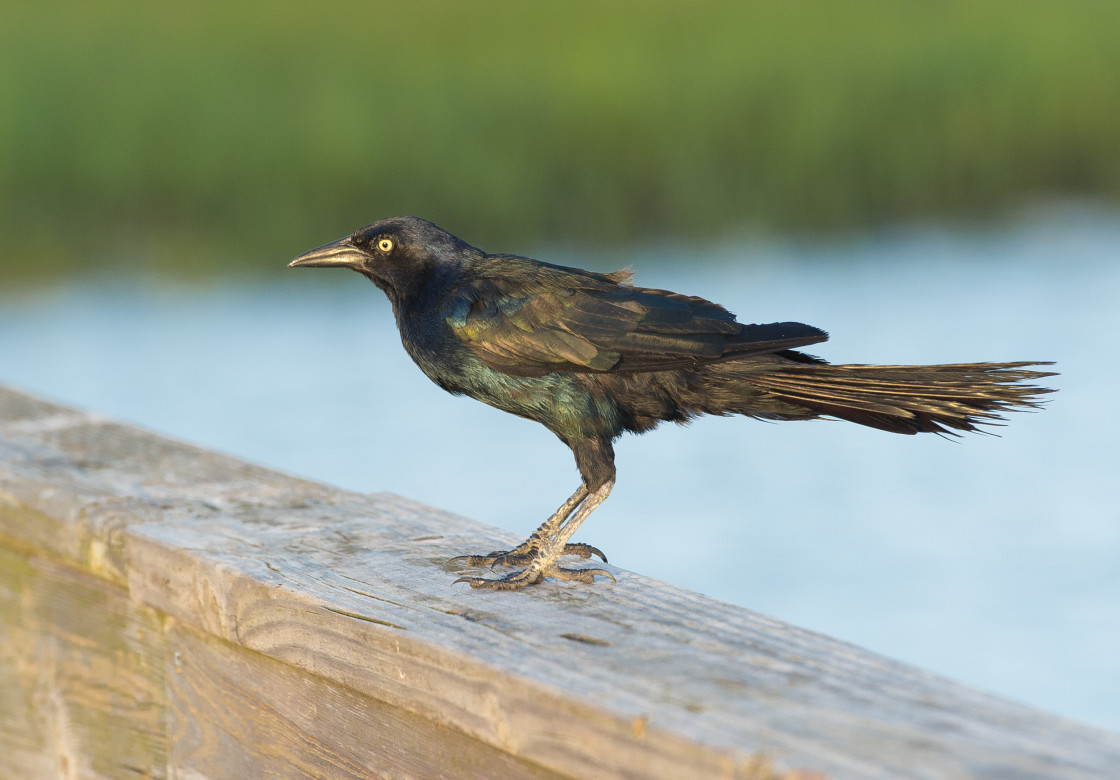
x=524, y=555
x=535, y=573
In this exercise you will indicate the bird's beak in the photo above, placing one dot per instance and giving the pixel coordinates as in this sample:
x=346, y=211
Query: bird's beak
x=341, y=254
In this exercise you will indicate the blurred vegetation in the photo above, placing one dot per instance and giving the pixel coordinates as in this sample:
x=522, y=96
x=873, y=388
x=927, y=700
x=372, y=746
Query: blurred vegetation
x=215, y=135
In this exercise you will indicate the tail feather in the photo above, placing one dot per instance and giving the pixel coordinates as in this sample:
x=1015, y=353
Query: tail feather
x=909, y=399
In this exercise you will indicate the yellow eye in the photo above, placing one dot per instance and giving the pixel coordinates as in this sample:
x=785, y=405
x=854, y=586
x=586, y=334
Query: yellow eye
x=385, y=245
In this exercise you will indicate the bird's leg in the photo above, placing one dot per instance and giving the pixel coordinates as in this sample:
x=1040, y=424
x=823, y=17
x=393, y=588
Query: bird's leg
x=559, y=544
x=543, y=563
x=541, y=551
x=523, y=553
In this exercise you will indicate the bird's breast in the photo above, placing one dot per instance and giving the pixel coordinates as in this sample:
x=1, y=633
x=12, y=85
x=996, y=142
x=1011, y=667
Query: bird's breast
x=559, y=401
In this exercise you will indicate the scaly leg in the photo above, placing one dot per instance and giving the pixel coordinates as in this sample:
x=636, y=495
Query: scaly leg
x=522, y=554
x=543, y=562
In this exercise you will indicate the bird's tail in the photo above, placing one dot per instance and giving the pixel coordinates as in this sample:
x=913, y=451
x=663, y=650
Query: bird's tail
x=906, y=399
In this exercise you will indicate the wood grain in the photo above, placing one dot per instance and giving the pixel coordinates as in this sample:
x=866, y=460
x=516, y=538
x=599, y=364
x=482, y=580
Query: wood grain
x=237, y=713
x=286, y=596
x=81, y=676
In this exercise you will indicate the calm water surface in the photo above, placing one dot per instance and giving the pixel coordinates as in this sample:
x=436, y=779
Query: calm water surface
x=995, y=560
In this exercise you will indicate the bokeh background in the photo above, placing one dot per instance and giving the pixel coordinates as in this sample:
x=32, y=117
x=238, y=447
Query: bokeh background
x=931, y=182
x=218, y=136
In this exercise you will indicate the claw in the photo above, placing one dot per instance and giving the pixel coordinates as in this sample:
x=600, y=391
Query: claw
x=502, y=584
x=580, y=575
x=513, y=558
x=512, y=581
x=519, y=557
x=583, y=550
x=533, y=575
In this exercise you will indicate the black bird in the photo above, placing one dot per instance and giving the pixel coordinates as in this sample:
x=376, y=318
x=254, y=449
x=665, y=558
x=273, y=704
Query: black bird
x=588, y=355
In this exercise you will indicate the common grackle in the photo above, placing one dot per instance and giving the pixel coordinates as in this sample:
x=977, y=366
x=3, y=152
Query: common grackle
x=588, y=355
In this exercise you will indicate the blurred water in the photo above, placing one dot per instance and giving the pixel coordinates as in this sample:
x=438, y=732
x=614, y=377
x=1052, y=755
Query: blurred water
x=993, y=560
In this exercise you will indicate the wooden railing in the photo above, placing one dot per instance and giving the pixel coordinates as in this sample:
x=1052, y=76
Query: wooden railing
x=166, y=611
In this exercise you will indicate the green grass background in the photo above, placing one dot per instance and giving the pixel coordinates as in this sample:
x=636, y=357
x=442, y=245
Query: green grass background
x=223, y=136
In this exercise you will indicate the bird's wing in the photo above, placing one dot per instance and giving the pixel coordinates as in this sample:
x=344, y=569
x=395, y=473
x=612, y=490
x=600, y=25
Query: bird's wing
x=571, y=320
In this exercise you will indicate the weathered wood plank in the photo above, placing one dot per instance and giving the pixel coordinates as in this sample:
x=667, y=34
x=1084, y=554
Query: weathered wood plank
x=631, y=679
x=238, y=713
x=81, y=675
x=25, y=733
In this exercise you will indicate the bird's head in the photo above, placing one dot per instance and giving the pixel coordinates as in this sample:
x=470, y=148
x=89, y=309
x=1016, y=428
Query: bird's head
x=401, y=255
